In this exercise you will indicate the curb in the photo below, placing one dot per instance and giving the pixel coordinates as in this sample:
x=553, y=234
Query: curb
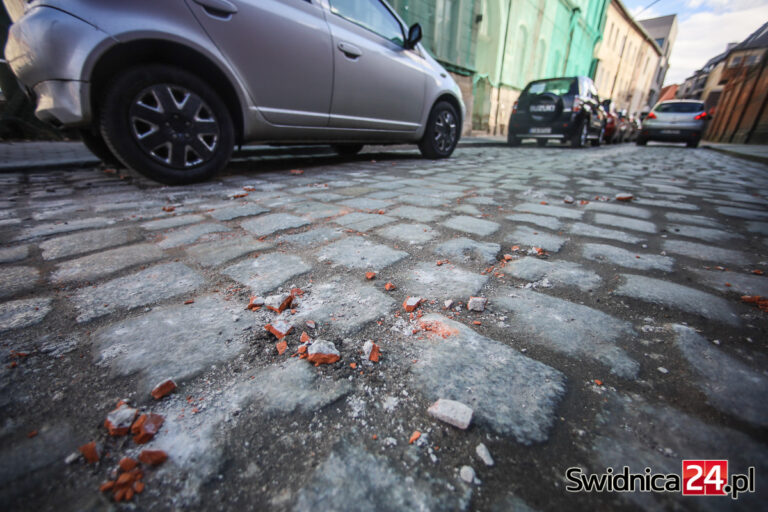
x=743, y=156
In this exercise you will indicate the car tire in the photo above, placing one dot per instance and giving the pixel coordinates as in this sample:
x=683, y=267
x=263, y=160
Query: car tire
x=96, y=145
x=600, y=138
x=641, y=141
x=579, y=138
x=347, y=149
x=542, y=142
x=512, y=140
x=442, y=132
x=167, y=124
x=692, y=143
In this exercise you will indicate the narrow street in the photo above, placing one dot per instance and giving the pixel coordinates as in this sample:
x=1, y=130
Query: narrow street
x=615, y=332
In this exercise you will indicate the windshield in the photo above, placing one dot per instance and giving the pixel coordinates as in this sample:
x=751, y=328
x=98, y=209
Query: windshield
x=679, y=108
x=558, y=86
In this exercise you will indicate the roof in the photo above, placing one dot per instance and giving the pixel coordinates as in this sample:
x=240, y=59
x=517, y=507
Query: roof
x=661, y=21
x=758, y=39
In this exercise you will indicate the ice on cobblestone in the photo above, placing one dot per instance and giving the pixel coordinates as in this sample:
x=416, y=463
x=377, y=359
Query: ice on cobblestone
x=146, y=287
x=624, y=258
x=23, y=313
x=525, y=236
x=700, y=220
x=213, y=254
x=356, y=252
x=743, y=213
x=663, y=203
x=730, y=385
x=560, y=273
x=443, y=282
x=509, y=392
x=267, y=272
x=706, y=252
x=625, y=223
x=13, y=254
x=267, y=224
x=466, y=250
x=679, y=297
x=105, y=263
x=573, y=329
x=88, y=241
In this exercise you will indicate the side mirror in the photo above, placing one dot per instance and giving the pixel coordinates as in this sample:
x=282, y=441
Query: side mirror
x=414, y=36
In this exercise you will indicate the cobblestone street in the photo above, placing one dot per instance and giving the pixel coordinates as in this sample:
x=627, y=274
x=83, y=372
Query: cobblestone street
x=615, y=333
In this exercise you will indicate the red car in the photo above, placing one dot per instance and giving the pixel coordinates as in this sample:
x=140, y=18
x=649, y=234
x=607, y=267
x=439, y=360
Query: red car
x=612, y=122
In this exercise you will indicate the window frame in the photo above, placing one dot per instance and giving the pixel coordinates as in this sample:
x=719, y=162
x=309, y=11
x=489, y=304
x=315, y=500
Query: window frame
x=403, y=32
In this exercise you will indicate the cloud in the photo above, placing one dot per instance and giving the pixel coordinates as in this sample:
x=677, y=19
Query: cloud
x=706, y=33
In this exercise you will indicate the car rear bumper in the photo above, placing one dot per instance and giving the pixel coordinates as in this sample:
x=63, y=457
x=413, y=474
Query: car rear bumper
x=670, y=134
x=522, y=127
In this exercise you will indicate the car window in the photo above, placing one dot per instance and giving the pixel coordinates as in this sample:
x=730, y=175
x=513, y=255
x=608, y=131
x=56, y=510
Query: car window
x=679, y=108
x=372, y=15
x=558, y=87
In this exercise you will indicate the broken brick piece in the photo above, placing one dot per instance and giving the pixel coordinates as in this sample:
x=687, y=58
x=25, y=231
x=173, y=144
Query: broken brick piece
x=411, y=303
x=370, y=275
x=119, y=421
x=508, y=257
x=138, y=487
x=416, y=434
x=240, y=196
x=389, y=287
x=136, y=427
x=168, y=209
x=124, y=479
x=32, y=434
x=153, y=457
x=281, y=347
x=127, y=463
x=255, y=303
x=750, y=299
x=477, y=304
x=624, y=197
x=598, y=382
x=371, y=351
x=163, y=389
x=107, y=486
x=304, y=337
x=297, y=171
x=310, y=323
x=758, y=272
x=323, y=352
x=90, y=452
x=149, y=428
x=280, y=328
x=353, y=365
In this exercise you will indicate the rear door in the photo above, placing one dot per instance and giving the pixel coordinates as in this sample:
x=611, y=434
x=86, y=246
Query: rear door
x=281, y=49
x=378, y=84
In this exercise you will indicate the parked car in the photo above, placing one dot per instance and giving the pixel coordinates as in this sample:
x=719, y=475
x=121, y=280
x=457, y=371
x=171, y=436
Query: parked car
x=566, y=109
x=675, y=121
x=624, y=126
x=611, y=115
x=169, y=88
x=635, y=125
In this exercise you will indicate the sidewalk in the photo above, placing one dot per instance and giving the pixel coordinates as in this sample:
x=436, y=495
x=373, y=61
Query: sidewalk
x=754, y=152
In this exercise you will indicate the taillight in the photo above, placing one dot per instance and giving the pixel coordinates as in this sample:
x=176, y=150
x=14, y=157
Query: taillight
x=514, y=108
x=651, y=115
x=701, y=116
x=576, y=103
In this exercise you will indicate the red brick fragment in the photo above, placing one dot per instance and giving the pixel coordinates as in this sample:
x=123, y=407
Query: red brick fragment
x=297, y=171
x=168, y=209
x=153, y=457
x=411, y=303
x=370, y=275
x=750, y=299
x=125, y=478
x=127, y=463
x=138, y=487
x=281, y=347
x=389, y=287
x=598, y=382
x=415, y=436
x=32, y=434
x=304, y=337
x=129, y=494
x=758, y=272
x=279, y=329
x=90, y=452
x=190, y=301
x=107, y=486
x=149, y=428
x=375, y=354
x=240, y=196
x=163, y=389
x=136, y=427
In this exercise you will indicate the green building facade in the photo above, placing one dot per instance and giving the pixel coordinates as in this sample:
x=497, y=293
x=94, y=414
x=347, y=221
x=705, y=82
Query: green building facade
x=495, y=47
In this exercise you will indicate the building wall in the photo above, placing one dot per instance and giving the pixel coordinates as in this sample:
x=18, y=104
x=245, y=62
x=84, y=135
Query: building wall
x=627, y=62
x=664, y=31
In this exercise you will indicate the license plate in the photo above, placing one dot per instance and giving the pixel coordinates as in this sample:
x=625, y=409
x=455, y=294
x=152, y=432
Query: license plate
x=670, y=132
x=541, y=130
x=542, y=108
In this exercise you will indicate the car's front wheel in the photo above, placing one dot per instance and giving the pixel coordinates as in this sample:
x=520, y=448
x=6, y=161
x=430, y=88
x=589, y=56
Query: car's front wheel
x=96, y=145
x=442, y=132
x=167, y=124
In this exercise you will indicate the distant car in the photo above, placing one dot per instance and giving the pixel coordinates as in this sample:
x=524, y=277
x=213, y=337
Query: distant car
x=611, y=121
x=565, y=109
x=625, y=126
x=169, y=88
x=675, y=121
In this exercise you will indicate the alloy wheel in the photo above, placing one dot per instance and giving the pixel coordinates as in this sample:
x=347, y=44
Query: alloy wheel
x=445, y=131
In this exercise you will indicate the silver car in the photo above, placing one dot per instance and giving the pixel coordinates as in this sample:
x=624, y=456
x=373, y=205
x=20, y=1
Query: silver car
x=169, y=88
x=675, y=121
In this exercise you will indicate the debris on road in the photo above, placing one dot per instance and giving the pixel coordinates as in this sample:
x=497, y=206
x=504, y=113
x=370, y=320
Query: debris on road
x=624, y=197
x=323, y=352
x=371, y=351
x=414, y=437
x=148, y=426
x=280, y=328
x=119, y=421
x=467, y=474
x=485, y=455
x=164, y=388
x=90, y=452
x=370, y=275
x=452, y=412
x=411, y=303
x=477, y=304
x=389, y=287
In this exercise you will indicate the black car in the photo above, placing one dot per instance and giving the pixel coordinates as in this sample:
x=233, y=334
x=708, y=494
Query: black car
x=565, y=109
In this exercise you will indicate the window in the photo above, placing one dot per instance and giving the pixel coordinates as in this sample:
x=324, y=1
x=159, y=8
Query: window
x=735, y=61
x=751, y=60
x=660, y=42
x=372, y=15
x=558, y=86
x=674, y=107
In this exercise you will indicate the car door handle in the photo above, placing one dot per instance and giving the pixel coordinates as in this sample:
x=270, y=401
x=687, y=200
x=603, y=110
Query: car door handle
x=349, y=50
x=218, y=8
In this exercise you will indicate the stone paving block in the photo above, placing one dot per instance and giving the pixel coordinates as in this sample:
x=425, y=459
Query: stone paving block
x=351, y=479
x=15, y=280
x=363, y=221
x=730, y=385
x=418, y=214
x=686, y=218
x=267, y=272
x=105, y=263
x=64, y=227
x=480, y=227
x=572, y=329
x=384, y=194
x=424, y=200
x=679, y=297
x=743, y=284
x=619, y=209
x=558, y=273
x=481, y=200
x=177, y=342
x=236, y=211
x=148, y=286
x=213, y=254
x=625, y=223
x=264, y=225
x=527, y=237
x=172, y=221
x=706, y=252
x=468, y=209
x=326, y=197
x=356, y=252
x=444, y=282
x=79, y=243
x=743, y=213
x=14, y=254
x=589, y=230
x=663, y=203
x=315, y=210
x=409, y=233
x=313, y=236
x=707, y=234
x=366, y=203
x=624, y=258
x=466, y=250
x=510, y=393
x=342, y=188
x=553, y=211
x=757, y=227
x=23, y=313
x=544, y=221
x=342, y=307
x=659, y=438
x=188, y=235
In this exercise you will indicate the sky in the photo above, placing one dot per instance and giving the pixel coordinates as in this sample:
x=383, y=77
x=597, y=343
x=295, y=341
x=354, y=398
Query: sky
x=704, y=28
